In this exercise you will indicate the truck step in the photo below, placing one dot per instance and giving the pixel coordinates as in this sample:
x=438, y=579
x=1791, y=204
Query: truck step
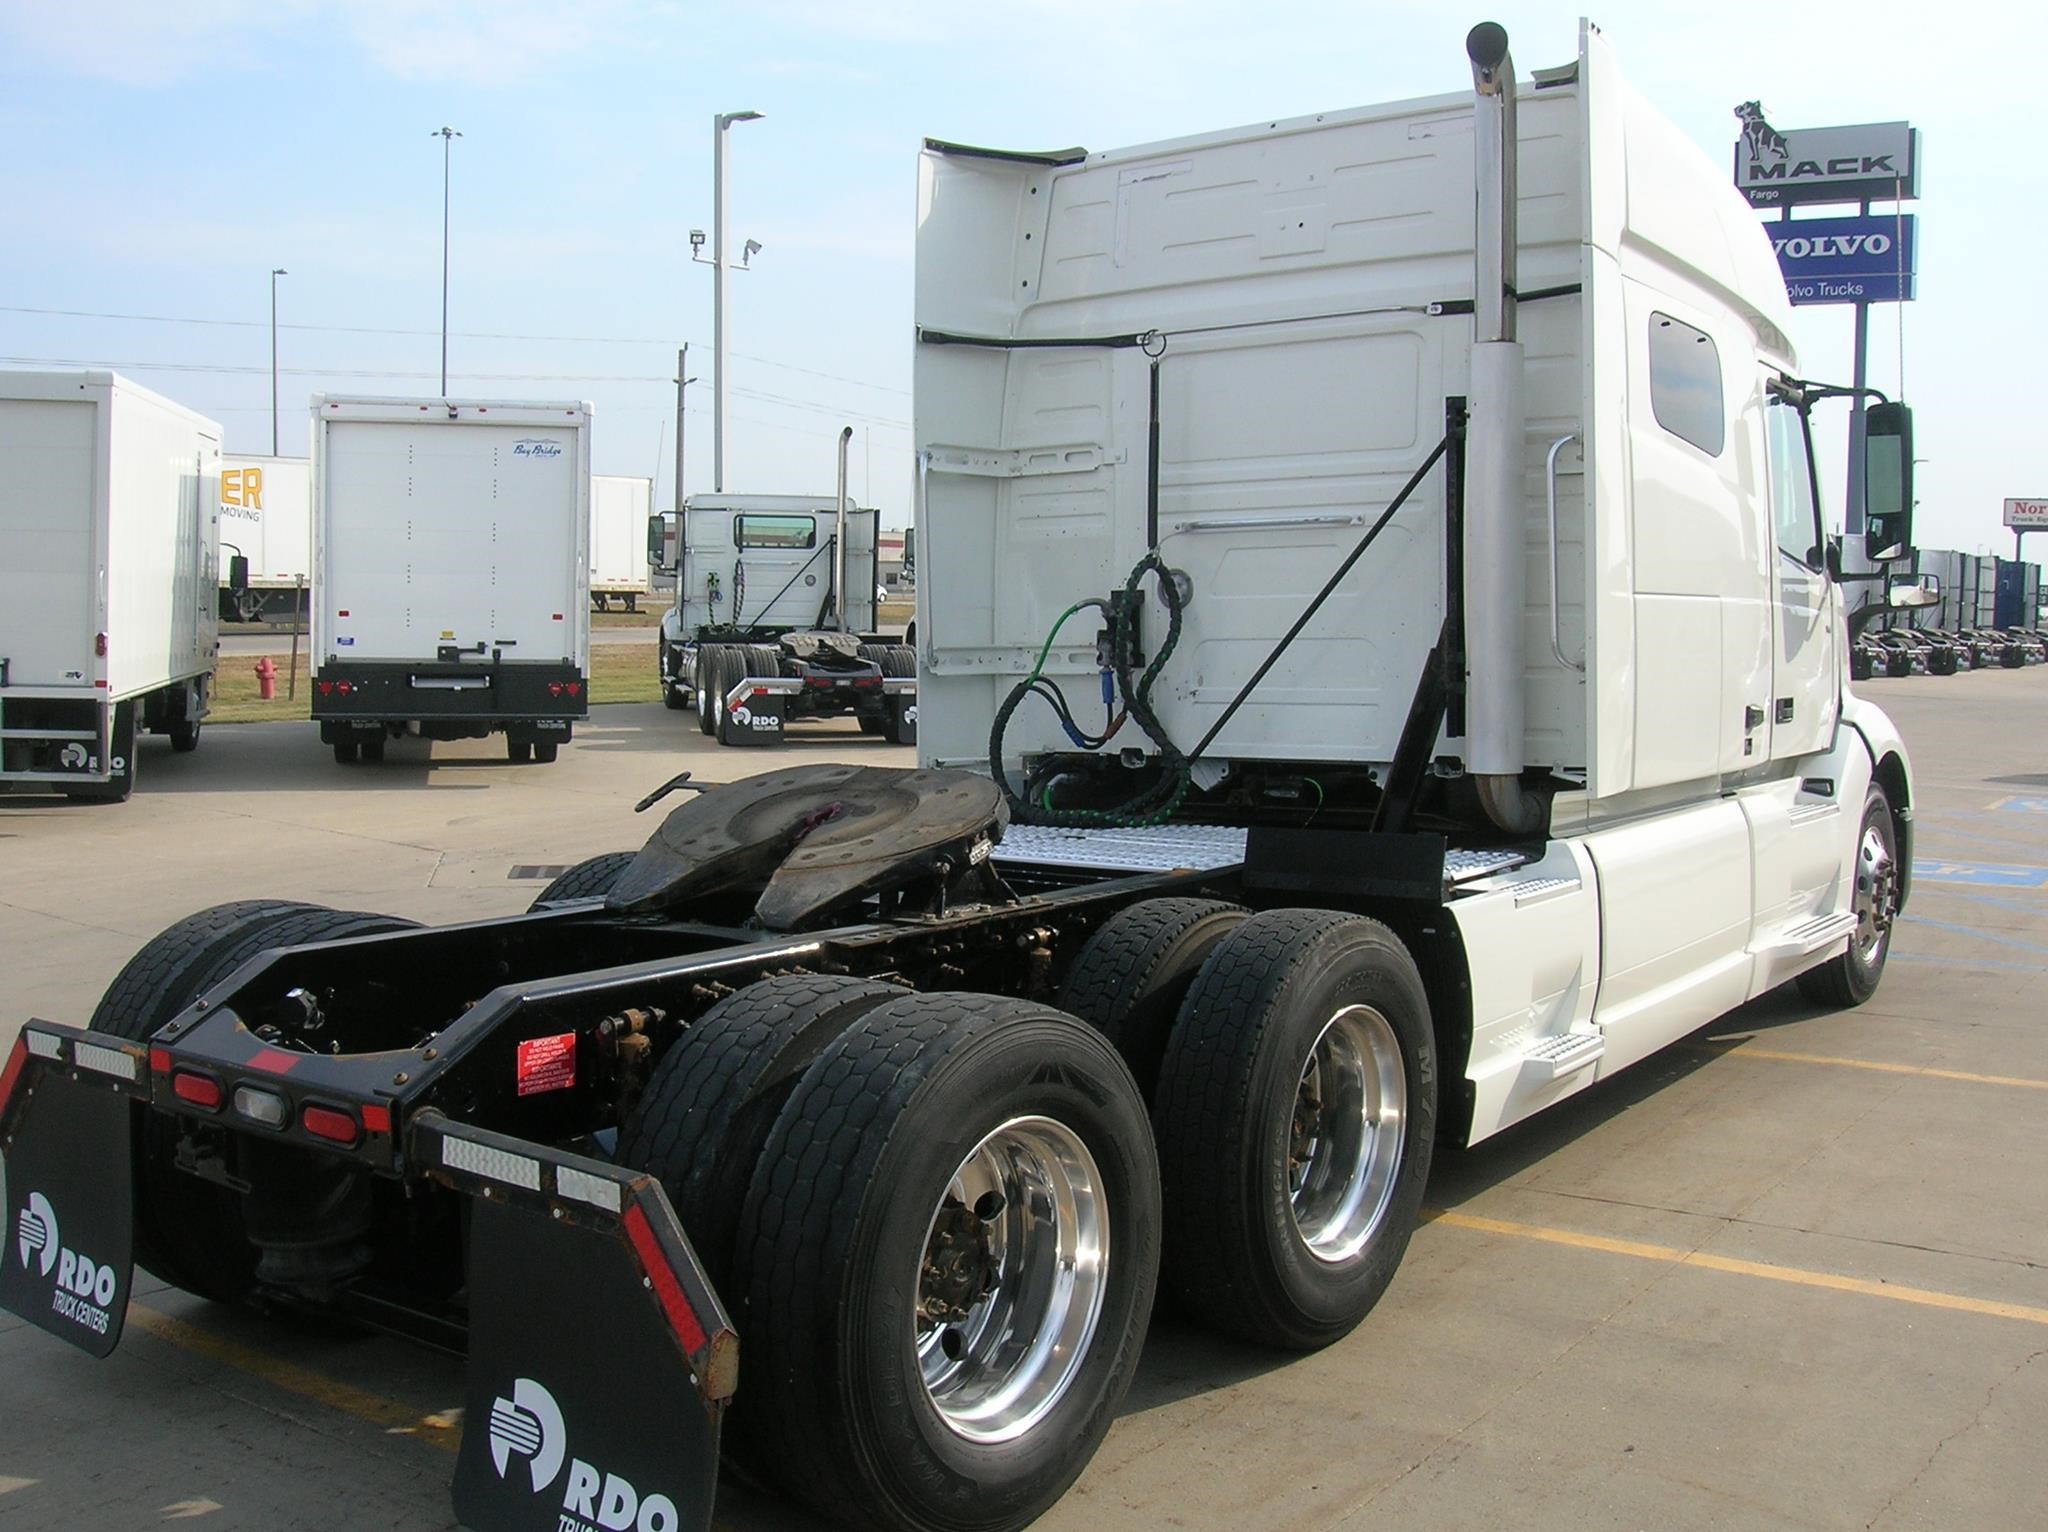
x=1809, y=936
x=49, y=734
x=1567, y=1053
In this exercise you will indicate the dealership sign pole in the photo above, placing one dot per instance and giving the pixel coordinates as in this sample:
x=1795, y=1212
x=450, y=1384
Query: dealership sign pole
x=1861, y=260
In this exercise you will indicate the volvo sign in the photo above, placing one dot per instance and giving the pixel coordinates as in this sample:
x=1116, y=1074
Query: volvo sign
x=1873, y=162
x=1846, y=260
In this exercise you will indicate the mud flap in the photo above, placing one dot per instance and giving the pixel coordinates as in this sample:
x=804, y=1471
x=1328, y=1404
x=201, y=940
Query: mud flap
x=67, y=1182
x=756, y=721
x=903, y=718
x=600, y=1361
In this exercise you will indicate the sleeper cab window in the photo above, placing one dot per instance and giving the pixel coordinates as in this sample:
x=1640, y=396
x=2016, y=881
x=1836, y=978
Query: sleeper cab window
x=1685, y=384
x=775, y=531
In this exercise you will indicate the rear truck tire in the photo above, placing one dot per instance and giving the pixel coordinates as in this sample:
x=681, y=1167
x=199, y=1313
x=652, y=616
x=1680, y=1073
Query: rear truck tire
x=518, y=751
x=703, y=683
x=1852, y=977
x=545, y=751
x=590, y=878
x=954, y=1173
x=345, y=752
x=1296, y=1114
x=372, y=748
x=1129, y=978
x=184, y=735
x=188, y=1231
x=700, y=1125
x=874, y=723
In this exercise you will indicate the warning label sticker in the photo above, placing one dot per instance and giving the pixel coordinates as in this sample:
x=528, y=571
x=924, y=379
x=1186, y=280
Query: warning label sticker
x=547, y=1063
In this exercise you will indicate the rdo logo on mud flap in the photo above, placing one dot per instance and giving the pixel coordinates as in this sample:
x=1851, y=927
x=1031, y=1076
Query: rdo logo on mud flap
x=529, y=1425
x=84, y=1289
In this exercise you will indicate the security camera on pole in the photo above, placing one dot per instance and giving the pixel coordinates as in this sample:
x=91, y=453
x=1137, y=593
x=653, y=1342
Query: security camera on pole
x=717, y=262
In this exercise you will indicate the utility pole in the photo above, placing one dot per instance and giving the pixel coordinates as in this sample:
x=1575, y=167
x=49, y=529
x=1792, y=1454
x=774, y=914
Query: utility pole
x=275, y=273
x=719, y=123
x=447, y=136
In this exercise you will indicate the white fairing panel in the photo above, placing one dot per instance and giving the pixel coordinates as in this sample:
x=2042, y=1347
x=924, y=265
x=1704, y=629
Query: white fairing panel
x=767, y=561
x=1290, y=271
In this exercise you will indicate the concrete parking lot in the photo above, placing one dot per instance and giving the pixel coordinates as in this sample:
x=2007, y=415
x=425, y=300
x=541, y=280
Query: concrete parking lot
x=1790, y=1273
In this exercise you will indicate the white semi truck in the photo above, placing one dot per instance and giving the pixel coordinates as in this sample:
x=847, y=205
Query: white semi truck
x=266, y=537
x=774, y=617
x=1477, y=726
x=451, y=572
x=107, y=552
x=619, y=508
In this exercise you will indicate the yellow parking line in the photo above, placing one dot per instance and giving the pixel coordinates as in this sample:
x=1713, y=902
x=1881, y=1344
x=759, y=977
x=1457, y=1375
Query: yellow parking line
x=1764, y=1269
x=293, y=1379
x=1740, y=1050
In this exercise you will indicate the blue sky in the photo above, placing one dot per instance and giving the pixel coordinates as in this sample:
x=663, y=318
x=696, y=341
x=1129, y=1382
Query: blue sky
x=164, y=156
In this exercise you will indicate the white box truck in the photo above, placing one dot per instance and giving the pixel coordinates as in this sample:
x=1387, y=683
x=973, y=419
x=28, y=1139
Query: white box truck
x=451, y=572
x=619, y=508
x=107, y=552
x=266, y=536
x=1384, y=842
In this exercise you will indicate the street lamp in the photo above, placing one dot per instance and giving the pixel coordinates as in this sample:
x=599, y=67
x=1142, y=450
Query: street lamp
x=447, y=137
x=683, y=381
x=275, y=273
x=717, y=263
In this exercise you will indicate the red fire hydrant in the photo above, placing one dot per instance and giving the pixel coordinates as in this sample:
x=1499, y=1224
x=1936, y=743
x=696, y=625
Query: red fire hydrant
x=266, y=678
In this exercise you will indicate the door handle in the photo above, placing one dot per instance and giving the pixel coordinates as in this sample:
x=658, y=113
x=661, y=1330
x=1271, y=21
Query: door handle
x=1752, y=718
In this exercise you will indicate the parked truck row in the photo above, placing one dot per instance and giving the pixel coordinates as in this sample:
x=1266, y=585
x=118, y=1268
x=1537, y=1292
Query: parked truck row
x=1385, y=676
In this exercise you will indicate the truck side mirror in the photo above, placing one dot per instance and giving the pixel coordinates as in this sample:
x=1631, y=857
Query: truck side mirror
x=238, y=572
x=657, y=541
x=1887, y=482
x=1904, y=592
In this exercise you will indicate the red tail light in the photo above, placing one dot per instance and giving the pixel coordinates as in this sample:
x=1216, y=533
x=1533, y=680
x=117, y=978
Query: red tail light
x=202, y=1091
x=330, y=1123
x=554, y=688
x=574, y=688
x=326, y=688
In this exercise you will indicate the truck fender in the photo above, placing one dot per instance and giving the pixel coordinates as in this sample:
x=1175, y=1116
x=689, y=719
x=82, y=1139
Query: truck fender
x=1891, y=768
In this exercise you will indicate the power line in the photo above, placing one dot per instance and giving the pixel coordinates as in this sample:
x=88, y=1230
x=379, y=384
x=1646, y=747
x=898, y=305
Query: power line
x=343, y=329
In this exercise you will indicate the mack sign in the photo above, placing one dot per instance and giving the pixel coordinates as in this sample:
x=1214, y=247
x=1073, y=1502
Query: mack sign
x=1873, y=162
x=1846, y=260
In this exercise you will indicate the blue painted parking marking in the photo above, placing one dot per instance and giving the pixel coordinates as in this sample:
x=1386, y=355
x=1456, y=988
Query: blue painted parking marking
x=1999, y=875
x=2023, y=805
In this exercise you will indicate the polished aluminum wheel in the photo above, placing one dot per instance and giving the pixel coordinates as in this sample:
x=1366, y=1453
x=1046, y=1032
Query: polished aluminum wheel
x=1012, y=1279
x=1877, y=892
x=1350, y=1116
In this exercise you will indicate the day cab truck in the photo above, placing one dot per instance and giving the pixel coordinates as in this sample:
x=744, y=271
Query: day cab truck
x=266, y=537
x=775, y=614
x=107, y=549
x=451, y=546
x=1478, y=727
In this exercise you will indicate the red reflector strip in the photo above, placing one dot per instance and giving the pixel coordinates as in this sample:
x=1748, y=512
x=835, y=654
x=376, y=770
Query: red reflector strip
x=17, y=1060
x=198, y=1090
x=274, y=1061
x=341, y=614
x=101, y=685
x=377, y=1119
x=667, y=1290
x=330, y=1123
x=159, y=1061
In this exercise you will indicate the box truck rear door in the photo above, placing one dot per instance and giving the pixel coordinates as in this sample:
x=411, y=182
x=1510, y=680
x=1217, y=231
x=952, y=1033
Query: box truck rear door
x=48, y=586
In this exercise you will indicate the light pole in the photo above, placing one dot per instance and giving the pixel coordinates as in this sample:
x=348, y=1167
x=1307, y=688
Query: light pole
x=719, y=123
x=683, y=381
x=447, y=136
x=275, y=273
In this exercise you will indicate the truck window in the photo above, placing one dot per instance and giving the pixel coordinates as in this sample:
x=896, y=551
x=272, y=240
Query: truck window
x=1792, y=511
x=1685, y=383
x=775, y=531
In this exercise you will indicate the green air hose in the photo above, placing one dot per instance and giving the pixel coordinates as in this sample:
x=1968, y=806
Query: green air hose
x=1152, y=804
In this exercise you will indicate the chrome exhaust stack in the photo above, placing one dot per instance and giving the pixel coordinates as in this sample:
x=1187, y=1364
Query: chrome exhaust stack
x=839, y=538
x=1496, y=562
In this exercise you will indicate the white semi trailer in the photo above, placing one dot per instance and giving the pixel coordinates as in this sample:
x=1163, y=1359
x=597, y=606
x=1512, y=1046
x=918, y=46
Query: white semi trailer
x=266, y=536
x=451, y=572
x=1382, y=839
x=619, y=507
x=107, y=552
